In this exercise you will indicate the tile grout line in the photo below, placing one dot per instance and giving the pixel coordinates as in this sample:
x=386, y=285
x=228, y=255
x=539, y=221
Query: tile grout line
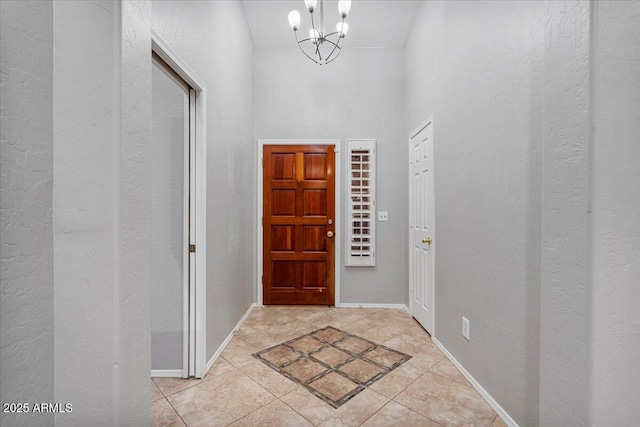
x=176, y=411
x=372, y=415
x=424, y=416
x=181, y=390
x=294, y=409
x=259, y=385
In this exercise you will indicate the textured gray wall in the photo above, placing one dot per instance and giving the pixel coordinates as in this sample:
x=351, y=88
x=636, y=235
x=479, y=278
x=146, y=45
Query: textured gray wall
x=77, y=251
x=615, y=299
x=101, y=210
x=565, y=232
x=26, y=230
x=478, y=67
x=214, y=40
x=360, y=95
x=131, y=314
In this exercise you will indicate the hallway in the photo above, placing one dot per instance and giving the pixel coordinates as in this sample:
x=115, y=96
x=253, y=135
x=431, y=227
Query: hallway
x=532, y=174
x=239, y=390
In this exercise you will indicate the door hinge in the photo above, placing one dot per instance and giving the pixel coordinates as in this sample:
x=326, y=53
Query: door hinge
x=192, y=248
x=262, y=279
x=336, y=150
x=262, y=161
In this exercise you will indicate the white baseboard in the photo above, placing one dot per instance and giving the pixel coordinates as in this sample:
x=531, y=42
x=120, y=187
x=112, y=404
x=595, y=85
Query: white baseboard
x=226, y=341
x=490, y=400
x=167, y=373
x=368, y=305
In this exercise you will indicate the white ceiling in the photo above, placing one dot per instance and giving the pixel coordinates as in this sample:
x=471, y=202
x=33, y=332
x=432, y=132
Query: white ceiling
x=372, y=23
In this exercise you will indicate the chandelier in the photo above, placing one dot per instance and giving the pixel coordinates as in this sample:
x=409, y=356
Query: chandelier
x=321, y=47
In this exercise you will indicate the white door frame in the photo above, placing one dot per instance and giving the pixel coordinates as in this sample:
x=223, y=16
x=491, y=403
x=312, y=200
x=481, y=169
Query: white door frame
x=428, y=121
x=259, y=211
x=196, y=301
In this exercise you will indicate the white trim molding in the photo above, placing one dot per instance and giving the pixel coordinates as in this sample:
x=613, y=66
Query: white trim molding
x=402, y=307
x=166, y=373
x=485, y=395
x=171, y=58
x=338, y=208
x=224, y=344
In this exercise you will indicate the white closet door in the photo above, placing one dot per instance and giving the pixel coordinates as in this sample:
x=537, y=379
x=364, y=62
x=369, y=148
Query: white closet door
x=421, y=222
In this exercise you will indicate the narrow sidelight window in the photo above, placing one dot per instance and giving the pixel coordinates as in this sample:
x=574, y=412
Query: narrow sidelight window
x=361, y=194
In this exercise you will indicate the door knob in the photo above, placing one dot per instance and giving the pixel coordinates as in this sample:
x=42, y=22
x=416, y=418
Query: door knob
x=426, y=240
x=329, y=234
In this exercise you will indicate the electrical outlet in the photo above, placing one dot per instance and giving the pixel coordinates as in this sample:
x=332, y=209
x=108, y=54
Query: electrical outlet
x=383, y=216
x=465, y=328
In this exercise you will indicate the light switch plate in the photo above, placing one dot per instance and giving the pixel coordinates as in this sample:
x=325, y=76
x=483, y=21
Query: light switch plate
x=465, y=328
x=383, y=216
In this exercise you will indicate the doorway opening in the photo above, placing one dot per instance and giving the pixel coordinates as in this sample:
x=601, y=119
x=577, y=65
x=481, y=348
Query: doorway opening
x=178, y=227
x=298, y=222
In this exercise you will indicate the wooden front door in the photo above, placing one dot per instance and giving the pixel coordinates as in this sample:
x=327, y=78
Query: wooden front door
x=298, y=224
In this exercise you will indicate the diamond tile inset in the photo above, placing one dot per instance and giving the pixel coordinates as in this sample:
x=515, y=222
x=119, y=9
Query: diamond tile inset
x=330, y=335
x=332, y=364
x=304, y=369
x=280, y=356
x=307, y=344
x=332, y=356
x=354, y=344
x=361, y=370
x=335, y=386
x=384, y=356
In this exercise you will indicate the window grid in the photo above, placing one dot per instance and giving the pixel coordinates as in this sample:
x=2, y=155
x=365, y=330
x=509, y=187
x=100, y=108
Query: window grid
x=361, y=206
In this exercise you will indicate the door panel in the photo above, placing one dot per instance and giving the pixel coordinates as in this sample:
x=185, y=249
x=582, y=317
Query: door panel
x=298, y=205
x=421, y=221
x=169, y=217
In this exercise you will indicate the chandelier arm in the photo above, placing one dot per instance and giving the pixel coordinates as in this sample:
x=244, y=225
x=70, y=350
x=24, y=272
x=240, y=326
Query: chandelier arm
x=338, y=54
x=334, y=58
x=336, y=32
x=303, y=51
x=322, y=18
x=335, y=45
x=317, y=40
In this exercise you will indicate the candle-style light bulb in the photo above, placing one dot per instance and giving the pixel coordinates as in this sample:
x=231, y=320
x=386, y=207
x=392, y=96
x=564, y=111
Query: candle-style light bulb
x=342, y=28
x=311, y=5
x=294, y=19
x=344, y=6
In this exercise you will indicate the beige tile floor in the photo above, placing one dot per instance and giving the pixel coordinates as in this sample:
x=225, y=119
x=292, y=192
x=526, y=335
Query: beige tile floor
x=239, y=390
